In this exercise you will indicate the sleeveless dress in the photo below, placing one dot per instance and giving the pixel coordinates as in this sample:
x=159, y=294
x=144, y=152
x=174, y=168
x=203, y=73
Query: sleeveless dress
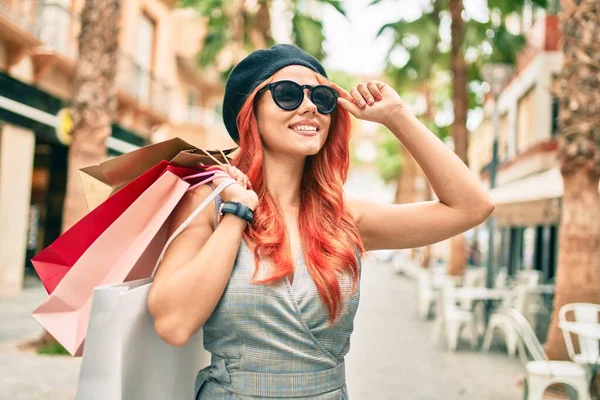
x=275, y=341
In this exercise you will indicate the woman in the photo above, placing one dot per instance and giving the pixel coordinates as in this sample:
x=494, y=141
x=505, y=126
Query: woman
x=277, y=297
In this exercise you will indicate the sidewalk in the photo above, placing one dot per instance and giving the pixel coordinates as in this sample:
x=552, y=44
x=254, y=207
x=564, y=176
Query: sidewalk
x=391, y=356
x=26, y=375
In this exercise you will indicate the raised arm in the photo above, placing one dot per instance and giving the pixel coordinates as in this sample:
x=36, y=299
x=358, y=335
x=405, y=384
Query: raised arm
x=462, y=204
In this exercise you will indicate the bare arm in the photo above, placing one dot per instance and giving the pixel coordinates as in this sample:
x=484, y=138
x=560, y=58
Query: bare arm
x=462, y=203
x=197, y=266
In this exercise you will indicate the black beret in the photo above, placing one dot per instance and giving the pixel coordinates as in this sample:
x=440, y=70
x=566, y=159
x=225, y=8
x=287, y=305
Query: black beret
x=255, y=69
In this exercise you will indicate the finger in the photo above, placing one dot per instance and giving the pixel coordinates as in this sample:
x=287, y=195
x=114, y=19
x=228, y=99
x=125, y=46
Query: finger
x=366, y=94
x=343, y=92
x=357, y=97
x=349, y=106
x=374, y=89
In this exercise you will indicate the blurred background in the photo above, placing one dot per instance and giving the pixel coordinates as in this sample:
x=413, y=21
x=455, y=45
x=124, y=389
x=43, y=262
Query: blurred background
x=85, y=80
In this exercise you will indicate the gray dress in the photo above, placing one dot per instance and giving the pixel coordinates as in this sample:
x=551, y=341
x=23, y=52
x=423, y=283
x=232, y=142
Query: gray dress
x=275, y=341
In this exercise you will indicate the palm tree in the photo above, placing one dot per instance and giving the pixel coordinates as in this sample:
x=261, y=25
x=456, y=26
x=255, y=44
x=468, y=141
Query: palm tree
x=94, y=98
x=578, y=270
x=93, y=105
x=236, y=27
x=466, y=35
x=418, y=77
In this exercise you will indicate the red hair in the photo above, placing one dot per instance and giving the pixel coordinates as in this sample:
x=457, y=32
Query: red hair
x=329, y=235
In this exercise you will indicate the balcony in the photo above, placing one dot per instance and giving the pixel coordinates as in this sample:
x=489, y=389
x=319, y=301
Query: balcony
x=59, y=28
x=139, y=87
x=19, y=28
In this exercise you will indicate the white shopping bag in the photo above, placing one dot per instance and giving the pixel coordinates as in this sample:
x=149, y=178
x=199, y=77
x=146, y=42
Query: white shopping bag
x=123, y=357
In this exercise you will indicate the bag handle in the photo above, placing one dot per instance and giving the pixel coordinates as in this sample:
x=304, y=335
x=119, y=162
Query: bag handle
x=189, y=219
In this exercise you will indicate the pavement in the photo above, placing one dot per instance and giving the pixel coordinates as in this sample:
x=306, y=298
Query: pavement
x=391, y=354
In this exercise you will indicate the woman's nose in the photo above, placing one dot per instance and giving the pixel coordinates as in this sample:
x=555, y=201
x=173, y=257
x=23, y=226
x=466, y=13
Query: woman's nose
x=307, y=104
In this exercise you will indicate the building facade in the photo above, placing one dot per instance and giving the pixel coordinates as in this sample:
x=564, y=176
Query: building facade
x=529, y=184
x=162, y=94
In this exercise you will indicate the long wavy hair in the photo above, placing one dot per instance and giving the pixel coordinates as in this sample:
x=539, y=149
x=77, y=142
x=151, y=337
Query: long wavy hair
x=329, y=236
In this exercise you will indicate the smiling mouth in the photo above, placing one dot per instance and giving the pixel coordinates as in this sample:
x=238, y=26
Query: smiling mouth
x=306, y=130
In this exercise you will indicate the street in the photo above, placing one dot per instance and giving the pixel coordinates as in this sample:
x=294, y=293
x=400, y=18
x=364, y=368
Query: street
x=391, y=354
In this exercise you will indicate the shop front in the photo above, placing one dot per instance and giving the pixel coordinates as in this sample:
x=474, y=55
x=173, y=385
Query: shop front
x=33, y=171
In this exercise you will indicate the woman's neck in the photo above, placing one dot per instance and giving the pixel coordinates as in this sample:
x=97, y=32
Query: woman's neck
x=283, y=177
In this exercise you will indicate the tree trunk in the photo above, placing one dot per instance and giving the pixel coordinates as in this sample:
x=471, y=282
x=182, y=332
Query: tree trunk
x=405, y=188
x=459, y=82
x=427, y=91
x=260, y=31
x=426, y=260
x=578, y=270
x=458, y=253
x=93, y=105
x=94, y=98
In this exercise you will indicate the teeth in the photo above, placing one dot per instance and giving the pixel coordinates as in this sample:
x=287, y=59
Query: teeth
x=305, y=128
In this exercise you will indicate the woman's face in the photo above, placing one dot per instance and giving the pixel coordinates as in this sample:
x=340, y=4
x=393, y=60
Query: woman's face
x=300, y=132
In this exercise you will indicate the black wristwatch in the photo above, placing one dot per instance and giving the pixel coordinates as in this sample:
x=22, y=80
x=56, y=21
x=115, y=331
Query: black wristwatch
x=239, y=209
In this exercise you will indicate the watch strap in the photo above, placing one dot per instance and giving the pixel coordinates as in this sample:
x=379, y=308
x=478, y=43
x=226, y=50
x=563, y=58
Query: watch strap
x=238, y=209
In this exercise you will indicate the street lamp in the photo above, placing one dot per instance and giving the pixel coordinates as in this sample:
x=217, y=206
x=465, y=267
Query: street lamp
x=496, y=75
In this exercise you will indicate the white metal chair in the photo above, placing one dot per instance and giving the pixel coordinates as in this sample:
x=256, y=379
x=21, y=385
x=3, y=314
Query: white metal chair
x=541, y=372
x=425, y=294
x=501, y=279
x=589, y=352
x=501, y=321
x=529, y=277
x=452, y=320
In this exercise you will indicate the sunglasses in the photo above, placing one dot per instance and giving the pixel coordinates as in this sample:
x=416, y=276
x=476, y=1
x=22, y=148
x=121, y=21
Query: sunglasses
x=288, y=95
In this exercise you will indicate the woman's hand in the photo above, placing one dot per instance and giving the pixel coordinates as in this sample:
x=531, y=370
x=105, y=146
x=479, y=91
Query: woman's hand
x=372, y=101
x=241, y=191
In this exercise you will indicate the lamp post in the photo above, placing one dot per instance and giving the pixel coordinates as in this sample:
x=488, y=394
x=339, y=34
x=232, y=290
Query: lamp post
x=497, y=75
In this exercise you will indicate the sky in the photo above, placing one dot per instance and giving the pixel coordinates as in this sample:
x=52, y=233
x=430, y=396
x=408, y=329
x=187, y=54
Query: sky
x=351, y=43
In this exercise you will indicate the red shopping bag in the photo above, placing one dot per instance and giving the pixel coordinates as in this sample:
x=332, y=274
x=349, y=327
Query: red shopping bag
x=52, y=263
x=125, y=250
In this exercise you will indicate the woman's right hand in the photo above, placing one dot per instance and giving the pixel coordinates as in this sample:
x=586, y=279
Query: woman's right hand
x=241, y=191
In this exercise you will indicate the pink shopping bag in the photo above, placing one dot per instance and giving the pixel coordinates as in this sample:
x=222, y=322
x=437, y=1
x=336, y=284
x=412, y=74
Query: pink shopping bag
x=127, y=247
x=56, y=260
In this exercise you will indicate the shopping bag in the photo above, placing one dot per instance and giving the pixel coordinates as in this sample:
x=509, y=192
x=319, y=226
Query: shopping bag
x=124, y=358
x=118, y=251
x=102, y=180
x=52, y=263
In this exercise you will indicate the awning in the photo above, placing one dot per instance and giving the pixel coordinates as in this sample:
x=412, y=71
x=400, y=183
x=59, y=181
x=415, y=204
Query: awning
x=542, y=186
x=530, y=201
x=533, y=200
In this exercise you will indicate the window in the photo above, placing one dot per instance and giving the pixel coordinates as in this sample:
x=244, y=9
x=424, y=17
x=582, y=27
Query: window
x=144, y=54
x=555, y=108
x=526, y=133
x=503, y=138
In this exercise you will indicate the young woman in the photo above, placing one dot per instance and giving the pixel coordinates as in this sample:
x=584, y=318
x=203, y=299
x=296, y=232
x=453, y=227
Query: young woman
x=273, y=278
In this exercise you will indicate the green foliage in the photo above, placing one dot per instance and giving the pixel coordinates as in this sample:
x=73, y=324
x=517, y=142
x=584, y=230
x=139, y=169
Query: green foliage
x=307, y=33
x=343, y=78
x=390, y=160
x=307, y=30
x=53, y=349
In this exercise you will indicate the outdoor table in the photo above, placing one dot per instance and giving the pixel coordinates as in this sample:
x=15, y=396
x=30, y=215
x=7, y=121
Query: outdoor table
x=474, y=294
x=588, y=330
x=480, y=293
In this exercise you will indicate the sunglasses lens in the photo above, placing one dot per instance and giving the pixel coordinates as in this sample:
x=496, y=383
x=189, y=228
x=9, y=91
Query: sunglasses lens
x=287, y=95
x=324, y=98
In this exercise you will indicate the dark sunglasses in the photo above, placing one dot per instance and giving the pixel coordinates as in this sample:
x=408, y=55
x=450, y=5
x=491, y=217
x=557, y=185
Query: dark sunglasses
x=288, y=95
